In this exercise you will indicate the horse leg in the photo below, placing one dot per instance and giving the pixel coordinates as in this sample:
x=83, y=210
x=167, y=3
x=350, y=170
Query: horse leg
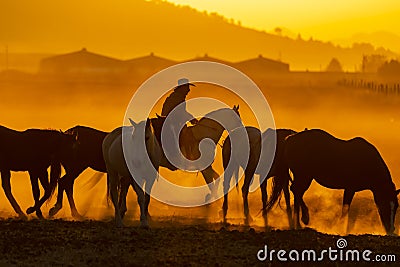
x=305, y=215
x=141, y=201
x=61, y=187
x=227, y=182
x=69, y=190
x=347, y=199
x=36, y=195
x=248, y=175
x=286, y=194
x=148, y=186
x=298, y=190
x=44, y=180
x=66, y=183
x=264, y=198
x=113, y=189
x=5, y=182
x=209, y=176
x=125, y=183
x=55, y=171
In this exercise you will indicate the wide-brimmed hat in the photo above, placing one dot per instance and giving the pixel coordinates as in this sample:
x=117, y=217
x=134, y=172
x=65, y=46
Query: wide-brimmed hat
x=183, y=81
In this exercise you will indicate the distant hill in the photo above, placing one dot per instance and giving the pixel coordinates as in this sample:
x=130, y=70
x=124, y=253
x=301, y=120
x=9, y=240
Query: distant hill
x=130, y=28
x=379, y=39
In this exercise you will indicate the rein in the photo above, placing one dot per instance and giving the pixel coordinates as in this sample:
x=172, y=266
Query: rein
x=215, y=129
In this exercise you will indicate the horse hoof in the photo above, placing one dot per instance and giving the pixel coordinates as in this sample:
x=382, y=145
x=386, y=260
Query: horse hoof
x=297, y=226
x=291, y=223
x=119, y=225
x=144, y=226
x=305, y=219
x=53, y=211
x=30, y=210
x=248, y=220
x=22, y=217
x=40, y=215
x=268, y=228
x=78, y=217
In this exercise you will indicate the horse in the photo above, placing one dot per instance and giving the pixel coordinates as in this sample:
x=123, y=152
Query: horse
x=145, y=171
x=190, y=138
x=33, y=150
x=206, y=127
x=353, y=165
x=278, y=170
x=88, y=154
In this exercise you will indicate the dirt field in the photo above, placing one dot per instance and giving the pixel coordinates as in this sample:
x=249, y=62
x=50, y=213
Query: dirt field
x=170, y=243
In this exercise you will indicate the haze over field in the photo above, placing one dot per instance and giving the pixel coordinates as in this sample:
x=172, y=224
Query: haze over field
x=297, y=103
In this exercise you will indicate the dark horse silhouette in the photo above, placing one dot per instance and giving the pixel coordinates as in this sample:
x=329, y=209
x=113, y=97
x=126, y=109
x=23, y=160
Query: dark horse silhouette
x=278, y=170
x=88, y=154
x=34, y=151
x=352, y=165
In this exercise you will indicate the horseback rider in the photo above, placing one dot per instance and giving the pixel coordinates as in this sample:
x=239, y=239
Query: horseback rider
x=177, y=99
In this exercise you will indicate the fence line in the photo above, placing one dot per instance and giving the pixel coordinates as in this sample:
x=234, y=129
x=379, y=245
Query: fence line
x=373, y=86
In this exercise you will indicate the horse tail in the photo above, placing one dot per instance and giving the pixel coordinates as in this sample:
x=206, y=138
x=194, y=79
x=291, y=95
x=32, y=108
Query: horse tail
x=278, y=184
x=55, y=174
x=229, y=161
x=118, y=181
x=108, y=190
x=94, y=180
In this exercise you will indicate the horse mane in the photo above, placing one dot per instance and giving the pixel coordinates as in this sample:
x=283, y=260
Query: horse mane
x=207, y=115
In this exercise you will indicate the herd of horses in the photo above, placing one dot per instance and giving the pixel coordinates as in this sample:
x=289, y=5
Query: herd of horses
x=351, y=165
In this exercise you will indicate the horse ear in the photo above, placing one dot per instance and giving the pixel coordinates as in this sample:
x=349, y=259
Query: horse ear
x=149, y=125
x=132, y=122
x=397, y=191
x=158, y=116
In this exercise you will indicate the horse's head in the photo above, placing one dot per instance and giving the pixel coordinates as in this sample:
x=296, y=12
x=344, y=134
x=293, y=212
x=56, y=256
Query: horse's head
x=387, y=204
x=149, y=130
x=145, y=127
x=67, y=144
x=157, y=124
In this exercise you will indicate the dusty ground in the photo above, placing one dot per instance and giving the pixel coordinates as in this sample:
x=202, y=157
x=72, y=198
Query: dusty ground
x=170, y=243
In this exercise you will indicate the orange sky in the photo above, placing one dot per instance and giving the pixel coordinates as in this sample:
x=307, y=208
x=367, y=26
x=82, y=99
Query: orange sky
x=326, y=20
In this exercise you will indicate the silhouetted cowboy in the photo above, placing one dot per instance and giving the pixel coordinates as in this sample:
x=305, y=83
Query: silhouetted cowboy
x=175, y=99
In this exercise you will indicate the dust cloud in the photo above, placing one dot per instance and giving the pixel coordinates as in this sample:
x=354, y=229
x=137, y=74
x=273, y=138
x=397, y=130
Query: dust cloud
x=298, y=101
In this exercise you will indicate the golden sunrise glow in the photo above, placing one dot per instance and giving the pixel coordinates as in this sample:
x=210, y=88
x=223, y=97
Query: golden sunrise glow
x=327, y=20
